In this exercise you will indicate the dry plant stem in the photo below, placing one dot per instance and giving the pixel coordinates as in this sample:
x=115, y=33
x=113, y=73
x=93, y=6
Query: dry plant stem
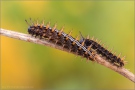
x=28, y=38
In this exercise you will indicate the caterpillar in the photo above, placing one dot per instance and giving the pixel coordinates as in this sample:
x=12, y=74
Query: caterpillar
x=85, y=47
x=60, y=38
x=99, y=49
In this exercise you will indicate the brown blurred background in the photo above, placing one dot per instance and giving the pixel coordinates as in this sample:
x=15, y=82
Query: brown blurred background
x=30, y=66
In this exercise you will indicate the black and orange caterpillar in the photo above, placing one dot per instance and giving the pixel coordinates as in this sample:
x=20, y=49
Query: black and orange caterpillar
x=100, y=50
x=60, y=38
x=85, y=47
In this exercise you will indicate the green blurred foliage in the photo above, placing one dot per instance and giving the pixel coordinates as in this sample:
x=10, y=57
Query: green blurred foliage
x=28, y=65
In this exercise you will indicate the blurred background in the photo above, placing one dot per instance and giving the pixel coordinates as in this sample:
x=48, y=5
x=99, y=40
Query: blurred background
x=26, y=65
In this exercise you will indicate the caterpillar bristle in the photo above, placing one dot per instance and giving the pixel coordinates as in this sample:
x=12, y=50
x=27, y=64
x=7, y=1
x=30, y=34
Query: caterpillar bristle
x=37, y=22
x=54, y=28
x=69, y=33
x=89, y=47
x=43, y=22
x=114, y=53
x=119, y=55
x=48, y=25
x=88, y=37
x=111, y=50
x=77, y=37
x=92, y=38
x=83, y=43
x=123, y=58
x=27, y=22
x=61, y=31
x=41, y=25
x=125, y=62
x=96, y=40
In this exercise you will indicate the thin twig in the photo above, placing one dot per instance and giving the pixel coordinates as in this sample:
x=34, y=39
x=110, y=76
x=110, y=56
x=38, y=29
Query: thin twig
x=25, y=37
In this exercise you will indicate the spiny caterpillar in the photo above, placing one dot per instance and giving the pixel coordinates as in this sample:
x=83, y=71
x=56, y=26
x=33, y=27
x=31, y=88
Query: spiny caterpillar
x=100, y=50
x=85, y=47
x=60, y=38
